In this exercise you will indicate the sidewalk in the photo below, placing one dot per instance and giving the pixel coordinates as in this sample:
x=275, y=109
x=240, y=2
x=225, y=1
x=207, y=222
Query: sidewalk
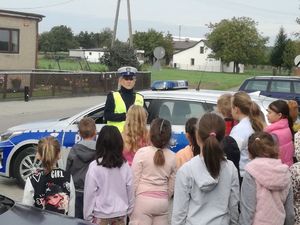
x=17, y=112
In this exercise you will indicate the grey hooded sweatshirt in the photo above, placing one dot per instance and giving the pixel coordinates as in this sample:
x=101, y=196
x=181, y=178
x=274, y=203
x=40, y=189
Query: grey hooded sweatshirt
x=199, y=199
x=79, y=158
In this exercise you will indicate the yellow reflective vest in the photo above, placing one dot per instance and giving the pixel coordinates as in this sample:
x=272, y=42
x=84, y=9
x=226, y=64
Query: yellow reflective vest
x=120, y=107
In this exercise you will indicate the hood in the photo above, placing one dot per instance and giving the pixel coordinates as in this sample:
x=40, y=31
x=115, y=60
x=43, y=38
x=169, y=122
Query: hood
x=281, y=124
x=270, y=173
x=203, y=179
x=45, y=124
x=85, y=150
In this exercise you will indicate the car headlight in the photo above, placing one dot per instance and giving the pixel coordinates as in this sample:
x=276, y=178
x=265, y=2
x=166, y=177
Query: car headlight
x=9, y=134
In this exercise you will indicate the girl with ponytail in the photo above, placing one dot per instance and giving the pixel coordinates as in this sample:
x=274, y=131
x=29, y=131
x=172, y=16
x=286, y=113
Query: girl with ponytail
x=50, y=188
x=281, y=127
x=154, y=170
x=207, y=186
x=250, y=119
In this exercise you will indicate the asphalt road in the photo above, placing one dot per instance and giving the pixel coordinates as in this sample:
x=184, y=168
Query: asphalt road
x=18, y=112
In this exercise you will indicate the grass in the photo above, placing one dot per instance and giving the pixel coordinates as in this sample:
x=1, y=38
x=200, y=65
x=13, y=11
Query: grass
x=73, y=65
x=209, y=80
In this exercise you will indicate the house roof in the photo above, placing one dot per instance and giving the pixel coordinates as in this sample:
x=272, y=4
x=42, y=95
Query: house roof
x=32, y=16
x=181, y=45
x=90, y=49
x=191, y=46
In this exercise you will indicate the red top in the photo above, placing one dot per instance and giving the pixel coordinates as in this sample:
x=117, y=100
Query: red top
x=229, y=124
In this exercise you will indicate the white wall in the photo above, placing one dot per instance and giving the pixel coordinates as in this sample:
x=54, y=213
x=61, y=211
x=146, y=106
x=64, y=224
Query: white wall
x=228, y=68
x=202, y=61
x=76, y=53
x=93, y=56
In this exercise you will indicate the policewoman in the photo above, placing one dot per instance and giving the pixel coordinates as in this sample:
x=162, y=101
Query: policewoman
x=118, y=102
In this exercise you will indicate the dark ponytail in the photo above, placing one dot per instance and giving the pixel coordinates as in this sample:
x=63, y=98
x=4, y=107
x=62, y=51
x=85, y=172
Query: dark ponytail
x=160, y=135
x=190, y=128
x=211, y=130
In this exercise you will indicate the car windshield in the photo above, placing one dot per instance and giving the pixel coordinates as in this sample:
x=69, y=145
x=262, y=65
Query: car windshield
x=5, y=204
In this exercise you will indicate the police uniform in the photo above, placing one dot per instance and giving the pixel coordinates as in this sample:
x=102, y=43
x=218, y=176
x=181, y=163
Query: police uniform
x=118, y=102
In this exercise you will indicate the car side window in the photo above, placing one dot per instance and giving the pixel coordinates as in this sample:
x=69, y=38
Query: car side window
x=176, y=111
x=257, y=85
x=280, y=86
x=97, y=115
x=297, y=87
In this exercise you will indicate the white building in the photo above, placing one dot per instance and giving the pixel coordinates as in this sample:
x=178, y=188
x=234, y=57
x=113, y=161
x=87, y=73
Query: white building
x=195, y=55
x=91, y=55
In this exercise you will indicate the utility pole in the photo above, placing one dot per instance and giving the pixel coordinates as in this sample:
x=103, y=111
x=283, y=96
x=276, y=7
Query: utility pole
x=129, y=23
x=116, y=23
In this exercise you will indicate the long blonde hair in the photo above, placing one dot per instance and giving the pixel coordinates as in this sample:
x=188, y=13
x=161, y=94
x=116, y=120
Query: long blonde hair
x=48, y=150
x=135, y=129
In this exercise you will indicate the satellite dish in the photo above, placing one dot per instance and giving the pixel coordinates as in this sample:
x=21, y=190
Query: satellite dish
x=159, y=53
x=297, y=61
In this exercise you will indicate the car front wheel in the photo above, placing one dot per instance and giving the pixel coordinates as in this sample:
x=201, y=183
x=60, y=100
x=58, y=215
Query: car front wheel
x=25, y=164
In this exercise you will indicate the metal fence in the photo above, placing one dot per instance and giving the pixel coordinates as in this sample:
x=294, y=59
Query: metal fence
x=46, y=84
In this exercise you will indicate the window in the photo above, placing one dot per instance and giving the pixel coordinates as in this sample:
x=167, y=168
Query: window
x=201, y=50
x=280, y=86
x=257, y=85
x=176, y=111
x=9, y=40
x=192, y=61
x=297, y=87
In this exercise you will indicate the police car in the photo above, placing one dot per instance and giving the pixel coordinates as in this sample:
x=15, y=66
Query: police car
x=17, y=144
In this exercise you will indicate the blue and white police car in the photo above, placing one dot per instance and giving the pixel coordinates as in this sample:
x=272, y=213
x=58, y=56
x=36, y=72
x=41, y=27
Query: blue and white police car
x=17, y=144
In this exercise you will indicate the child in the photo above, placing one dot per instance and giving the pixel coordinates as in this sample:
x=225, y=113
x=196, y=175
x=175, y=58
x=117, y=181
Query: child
x=135, y=133
x=294, y=111
x=51, y=188
x=108, y=191
x=224, y=107
x=229, y=145
x=207, y=186
x=281, y=125
x=248, y=114
x=79, y=159
x=193, y=148
x=295, y=171
x=154, y=170
x=266, y=194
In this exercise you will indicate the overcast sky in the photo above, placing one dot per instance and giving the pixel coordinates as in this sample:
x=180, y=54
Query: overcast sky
x=162, y=15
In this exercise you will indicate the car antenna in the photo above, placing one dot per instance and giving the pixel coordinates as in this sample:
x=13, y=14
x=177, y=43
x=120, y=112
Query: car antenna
x=199, y=83
x=198, y=87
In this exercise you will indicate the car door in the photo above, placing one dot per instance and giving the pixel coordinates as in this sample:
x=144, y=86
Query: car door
x=177, y=112
x=71, y=135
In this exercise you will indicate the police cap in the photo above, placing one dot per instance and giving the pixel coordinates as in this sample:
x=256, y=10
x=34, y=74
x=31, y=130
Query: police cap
x=127, y=71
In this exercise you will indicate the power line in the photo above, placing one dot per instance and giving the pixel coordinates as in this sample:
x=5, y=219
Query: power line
x=41, y=7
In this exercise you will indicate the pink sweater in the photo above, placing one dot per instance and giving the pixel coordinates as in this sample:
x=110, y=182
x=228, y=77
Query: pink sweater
x=147, y=177
x=285, y=140
x=272, y=187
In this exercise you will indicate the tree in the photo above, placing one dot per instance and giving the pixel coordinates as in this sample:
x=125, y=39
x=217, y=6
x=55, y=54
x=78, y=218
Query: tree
x=85, y=39
x=104, y=38
x=278, y=50
x=236, y=40
x=289, y=55
x=121, y=54
x=148, y=41
x=59, y=38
